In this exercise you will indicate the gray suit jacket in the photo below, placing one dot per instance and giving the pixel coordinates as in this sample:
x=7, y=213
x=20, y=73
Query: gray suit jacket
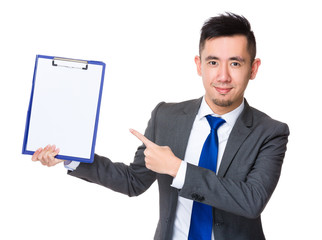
x=248, y=174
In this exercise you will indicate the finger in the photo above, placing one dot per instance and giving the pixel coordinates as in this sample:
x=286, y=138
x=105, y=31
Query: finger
x=54, y=150
x=53, y=160
x=48, y=156
x=142, y=138
x=57, y=150
x=43, y=152
x=48, y=159
x=36, y=154
x=51, y=153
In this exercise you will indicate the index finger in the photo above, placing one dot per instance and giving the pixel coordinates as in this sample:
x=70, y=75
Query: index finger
x=142, y=138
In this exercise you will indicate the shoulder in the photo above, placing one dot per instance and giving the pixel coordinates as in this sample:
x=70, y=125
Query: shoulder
x=170, y=121
x=262, y=121
x=178, y=107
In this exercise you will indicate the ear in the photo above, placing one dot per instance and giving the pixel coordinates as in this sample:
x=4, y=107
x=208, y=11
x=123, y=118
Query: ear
x=255, y=66
x=198, y=64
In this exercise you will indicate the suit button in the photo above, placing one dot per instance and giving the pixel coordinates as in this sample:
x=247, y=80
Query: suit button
x=197, y=197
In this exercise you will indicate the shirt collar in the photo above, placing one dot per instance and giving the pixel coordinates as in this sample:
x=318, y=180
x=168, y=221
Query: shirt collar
x=230, y=117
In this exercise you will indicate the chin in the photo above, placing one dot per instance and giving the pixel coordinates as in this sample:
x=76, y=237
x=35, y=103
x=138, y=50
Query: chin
x=222, y=103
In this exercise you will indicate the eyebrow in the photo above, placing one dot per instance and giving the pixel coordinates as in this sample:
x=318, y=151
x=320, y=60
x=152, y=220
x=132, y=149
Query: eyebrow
x=211, y=58
x=235, y=58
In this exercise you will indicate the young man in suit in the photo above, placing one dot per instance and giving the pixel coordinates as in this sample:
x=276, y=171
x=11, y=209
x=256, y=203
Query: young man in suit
x=251, y=146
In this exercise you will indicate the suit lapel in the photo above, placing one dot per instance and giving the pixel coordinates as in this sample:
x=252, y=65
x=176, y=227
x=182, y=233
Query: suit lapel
x=237, y=136
x=177, y=136
x=184, y=126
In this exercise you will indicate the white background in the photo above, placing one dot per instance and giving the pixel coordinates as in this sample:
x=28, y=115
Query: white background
x=149, y=47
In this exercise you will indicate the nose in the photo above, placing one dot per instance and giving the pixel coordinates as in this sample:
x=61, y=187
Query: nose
x=223, y=74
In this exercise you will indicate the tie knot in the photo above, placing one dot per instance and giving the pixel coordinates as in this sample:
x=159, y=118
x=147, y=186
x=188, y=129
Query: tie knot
x=215, y=122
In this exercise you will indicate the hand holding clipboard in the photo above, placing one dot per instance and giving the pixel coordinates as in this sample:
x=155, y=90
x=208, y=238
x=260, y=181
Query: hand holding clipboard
x=47, y=156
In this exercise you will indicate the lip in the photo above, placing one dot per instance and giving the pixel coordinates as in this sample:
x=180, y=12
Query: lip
x=223, y=90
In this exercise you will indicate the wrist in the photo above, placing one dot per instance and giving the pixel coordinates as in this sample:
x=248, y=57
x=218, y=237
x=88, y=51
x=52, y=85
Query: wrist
x=175, y=167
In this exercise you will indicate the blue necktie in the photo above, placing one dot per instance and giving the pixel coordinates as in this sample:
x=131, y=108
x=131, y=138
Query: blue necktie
x=201, y=216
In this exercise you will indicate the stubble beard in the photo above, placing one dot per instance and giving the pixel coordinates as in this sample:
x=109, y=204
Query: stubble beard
x=222, y=103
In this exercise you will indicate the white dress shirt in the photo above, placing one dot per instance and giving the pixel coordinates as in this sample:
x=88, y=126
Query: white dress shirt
x=199, y=132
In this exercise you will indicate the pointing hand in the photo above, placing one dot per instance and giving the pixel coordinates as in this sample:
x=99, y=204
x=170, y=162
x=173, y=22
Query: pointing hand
x=159, y=159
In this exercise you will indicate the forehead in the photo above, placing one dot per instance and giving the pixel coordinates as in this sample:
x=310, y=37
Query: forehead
x=226, y=47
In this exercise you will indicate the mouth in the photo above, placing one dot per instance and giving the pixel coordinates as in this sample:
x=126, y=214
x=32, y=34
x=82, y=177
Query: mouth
x=223, y=90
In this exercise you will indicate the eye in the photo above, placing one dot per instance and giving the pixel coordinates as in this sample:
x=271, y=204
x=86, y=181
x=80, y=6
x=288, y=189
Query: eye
x=235, y=64
x=212, y=63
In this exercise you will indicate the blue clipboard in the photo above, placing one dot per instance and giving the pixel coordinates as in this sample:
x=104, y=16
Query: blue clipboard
x=64, y=107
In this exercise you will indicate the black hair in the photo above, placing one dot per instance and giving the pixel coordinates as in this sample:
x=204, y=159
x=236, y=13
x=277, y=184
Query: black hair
x=228, y=24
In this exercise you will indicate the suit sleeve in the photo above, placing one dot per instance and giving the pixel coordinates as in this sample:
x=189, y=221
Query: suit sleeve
x=250, y=180
x=131, y=180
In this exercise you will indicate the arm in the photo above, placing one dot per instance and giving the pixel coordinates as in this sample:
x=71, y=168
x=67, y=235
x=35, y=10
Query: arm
x=250, y=180
x=131, y=180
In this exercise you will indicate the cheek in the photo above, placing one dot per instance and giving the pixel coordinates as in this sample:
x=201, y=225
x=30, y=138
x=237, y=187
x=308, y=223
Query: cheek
x=208, y=76
x=242, y=85
x=241, y=79
x=207, y=82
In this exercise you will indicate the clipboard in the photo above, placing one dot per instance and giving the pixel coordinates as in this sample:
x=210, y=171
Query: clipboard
x=64, y=107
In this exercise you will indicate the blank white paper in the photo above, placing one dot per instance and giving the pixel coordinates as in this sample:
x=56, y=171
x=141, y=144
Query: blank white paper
x=64, y=108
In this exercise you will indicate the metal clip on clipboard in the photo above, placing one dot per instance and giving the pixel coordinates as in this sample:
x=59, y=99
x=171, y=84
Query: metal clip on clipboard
x=70, y=63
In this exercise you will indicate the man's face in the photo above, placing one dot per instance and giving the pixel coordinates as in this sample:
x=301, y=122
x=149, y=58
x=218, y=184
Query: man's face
x=225, y=67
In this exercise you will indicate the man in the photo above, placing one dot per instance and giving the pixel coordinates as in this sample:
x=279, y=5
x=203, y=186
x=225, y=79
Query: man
x=251, y=147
